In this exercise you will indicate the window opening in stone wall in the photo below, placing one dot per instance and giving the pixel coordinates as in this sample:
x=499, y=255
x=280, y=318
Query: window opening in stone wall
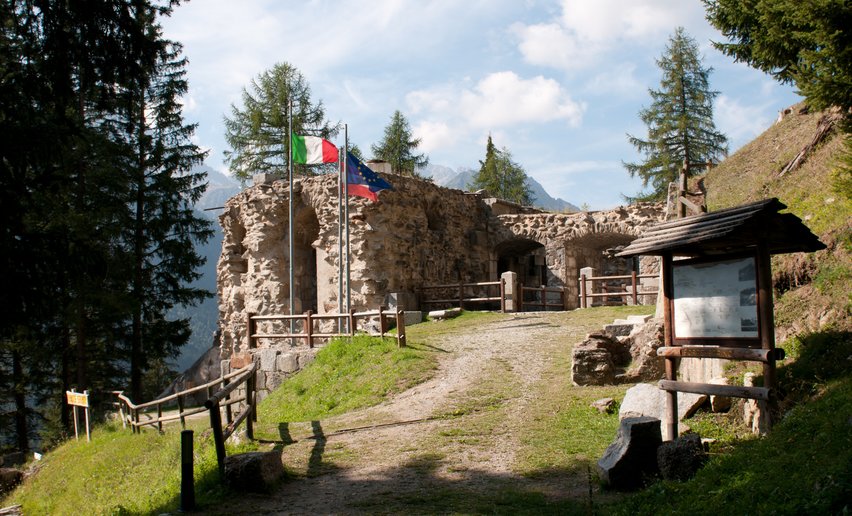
x=306, y=227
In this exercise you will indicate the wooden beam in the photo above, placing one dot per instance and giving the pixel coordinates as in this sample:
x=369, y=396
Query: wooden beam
x=732, y=391
x=757, y=355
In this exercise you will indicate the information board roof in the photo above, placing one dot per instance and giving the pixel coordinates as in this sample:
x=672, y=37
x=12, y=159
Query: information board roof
x=727, y=231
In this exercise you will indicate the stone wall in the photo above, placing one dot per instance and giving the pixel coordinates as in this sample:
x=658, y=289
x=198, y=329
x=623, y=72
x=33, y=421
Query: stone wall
x=418, y=234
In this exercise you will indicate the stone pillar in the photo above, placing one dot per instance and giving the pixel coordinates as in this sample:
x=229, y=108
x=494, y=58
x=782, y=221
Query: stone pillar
x=588, y=272
x=513, y=292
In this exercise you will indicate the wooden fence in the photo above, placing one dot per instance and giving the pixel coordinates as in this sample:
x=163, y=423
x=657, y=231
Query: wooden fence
x=626, y=285
x=222, y=397
x=138, y=416
x=463, y=297
x=347, y=325
x=541, y=295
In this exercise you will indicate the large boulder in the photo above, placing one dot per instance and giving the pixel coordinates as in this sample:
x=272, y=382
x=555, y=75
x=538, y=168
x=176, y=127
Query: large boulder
x=682, y=458
x=596, y=360
x=9, y=478
x=253, y=472
x=631, y=460
x=643, y=342
x=644, y=399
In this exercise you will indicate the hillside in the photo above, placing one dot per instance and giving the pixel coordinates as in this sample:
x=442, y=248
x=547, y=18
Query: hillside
x=812, y=291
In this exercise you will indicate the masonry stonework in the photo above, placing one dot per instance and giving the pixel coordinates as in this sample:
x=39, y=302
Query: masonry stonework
x=418, y=234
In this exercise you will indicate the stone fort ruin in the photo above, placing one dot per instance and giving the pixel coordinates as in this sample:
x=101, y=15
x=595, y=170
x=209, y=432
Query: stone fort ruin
x=418, y=234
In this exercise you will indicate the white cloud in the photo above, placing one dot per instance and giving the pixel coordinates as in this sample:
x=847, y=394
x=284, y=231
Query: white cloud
x=433, y=135
x=585, y=30
x=503, y=98
x=741, y=122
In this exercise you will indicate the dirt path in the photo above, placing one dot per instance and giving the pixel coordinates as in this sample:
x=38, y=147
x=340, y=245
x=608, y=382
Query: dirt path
x=456, y=433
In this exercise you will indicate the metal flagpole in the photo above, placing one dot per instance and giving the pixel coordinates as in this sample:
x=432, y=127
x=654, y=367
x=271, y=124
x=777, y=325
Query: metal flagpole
x=340, y=168
x=346, y=210
x=290, y=236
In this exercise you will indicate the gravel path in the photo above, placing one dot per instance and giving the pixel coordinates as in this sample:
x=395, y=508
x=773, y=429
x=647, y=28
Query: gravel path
x=457, y=431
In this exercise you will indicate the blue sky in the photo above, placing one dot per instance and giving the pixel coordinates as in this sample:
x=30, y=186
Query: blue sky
x=559, y=83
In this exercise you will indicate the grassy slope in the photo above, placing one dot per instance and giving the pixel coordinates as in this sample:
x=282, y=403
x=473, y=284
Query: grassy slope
x=804, y=466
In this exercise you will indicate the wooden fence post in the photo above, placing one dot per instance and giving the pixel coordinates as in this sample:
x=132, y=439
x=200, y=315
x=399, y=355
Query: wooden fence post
x=180, y=412
x=187, y=477
x=228, y=415
x=544, y=298
x=461, y=296
x=218, y=440
x=502, y=295
x=382, y=324
x=351, y=322
x=250, y=330
x=309, y=328
x=583, y=292
x=400, y=328
x=159, y=418
x=635, y=293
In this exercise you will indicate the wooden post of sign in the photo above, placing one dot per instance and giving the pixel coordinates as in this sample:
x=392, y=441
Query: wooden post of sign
x=766, y=323
x=76, y=399
x=74, y=410
x=86, y=412
x=670, y=363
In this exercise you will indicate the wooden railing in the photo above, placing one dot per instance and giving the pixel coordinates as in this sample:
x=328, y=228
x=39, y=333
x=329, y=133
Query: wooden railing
x=461, y=297
x=133, y=414
x=222, y=397
x=541, y=294
x=606, y=292
x=347, y=324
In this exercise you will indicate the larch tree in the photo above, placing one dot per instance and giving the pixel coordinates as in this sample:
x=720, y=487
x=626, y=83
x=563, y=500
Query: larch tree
x=257, y=132
x=679, y=120
x=501, y=176
x=397, y=147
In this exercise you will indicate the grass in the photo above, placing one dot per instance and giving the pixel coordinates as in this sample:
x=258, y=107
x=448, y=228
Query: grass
x=121, y=473
x=346, y=374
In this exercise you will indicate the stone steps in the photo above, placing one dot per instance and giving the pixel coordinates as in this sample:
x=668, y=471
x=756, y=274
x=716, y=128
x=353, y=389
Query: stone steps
x=623, y=327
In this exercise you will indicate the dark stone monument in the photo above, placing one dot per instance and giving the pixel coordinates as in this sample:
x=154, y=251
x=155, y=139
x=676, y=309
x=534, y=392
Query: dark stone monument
x=632, y=459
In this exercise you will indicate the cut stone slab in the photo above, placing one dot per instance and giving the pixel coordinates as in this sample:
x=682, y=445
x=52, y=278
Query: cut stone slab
x=619, y=328
x=639, y=319
x=413, y=317
x=644, y=399
x=631, y=460
x=439, y=315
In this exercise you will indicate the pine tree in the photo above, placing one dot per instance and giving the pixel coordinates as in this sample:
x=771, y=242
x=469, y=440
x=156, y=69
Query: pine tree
x=501, y=176
x=397, y=147
x=257, y=132
x=680, y=119
x=162, y=225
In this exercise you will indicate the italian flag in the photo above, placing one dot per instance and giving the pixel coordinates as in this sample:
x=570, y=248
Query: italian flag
x=313, y=150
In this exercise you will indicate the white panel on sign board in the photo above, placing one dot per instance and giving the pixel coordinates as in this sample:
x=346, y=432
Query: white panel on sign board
x=715, y=299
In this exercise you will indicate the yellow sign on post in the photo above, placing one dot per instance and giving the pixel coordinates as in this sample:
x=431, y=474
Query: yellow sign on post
x=79, y=399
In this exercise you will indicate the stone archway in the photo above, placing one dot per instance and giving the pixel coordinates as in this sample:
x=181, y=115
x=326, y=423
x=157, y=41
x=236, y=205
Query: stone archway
x=306, y=231
x=524, y=257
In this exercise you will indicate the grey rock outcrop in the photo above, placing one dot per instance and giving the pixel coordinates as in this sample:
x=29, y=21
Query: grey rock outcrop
x=631, y=460
x=596, y=360
x=648, y=400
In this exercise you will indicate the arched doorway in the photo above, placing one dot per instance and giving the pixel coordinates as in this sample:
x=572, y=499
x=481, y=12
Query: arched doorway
x=526, y=258
x=306, y=231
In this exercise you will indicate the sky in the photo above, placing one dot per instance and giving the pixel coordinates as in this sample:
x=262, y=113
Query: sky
x=558, y=83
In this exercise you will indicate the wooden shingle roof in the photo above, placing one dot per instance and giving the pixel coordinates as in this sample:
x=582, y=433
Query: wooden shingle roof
x=727, y=231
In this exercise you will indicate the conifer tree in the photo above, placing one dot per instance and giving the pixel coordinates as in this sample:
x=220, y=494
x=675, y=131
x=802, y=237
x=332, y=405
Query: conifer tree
x=501, y=176
x=679, y=119
x=257, y=131
x=397, y=147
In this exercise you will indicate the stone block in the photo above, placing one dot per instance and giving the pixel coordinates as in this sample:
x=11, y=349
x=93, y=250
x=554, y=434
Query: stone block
x=413, y=317
x=255, y=472
x=401, y=300
x=267, y=359
x=644, y=399
x=592, y=366
x=619, y=329
x=720, y=403
x=630, y=461
x=604, y=405
x=287, y=363
x=240, y=360
x=682, y=458
x=9, y=478
x=439, y=315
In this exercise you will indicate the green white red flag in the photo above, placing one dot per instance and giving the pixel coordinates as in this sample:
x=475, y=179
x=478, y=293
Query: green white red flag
x=313, y=150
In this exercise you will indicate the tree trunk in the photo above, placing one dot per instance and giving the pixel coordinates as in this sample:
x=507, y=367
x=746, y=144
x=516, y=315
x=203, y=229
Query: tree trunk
x=20, y=395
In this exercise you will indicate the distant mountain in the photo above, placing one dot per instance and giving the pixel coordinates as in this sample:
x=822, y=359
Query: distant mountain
x=204, y=316
x=461, y=178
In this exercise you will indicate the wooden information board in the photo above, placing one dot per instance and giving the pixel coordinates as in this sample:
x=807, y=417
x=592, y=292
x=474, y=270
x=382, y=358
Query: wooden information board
x=715, y=299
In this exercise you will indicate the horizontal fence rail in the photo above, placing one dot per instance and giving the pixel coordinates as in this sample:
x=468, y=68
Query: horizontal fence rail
x=347, y=325
x=627, y=284
x=137, y=415
x=467, y=293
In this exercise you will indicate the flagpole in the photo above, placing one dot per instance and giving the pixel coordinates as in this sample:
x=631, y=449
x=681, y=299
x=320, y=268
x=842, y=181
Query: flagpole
x=346, y=210
x=290, y=163
x=340, y=168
